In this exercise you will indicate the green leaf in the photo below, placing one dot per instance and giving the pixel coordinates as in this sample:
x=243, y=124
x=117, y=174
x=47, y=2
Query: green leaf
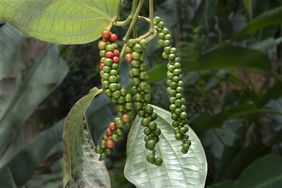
x=177, y=170
x=227, y=57
x=60, y=21
x=43, y=77
x=205, y=13
x=273, y=93
x=205, y=121
x=265, y=172
x=266, y=45
x=248, y=4
x=20, y=168
x=269, y=18
x=99, y=114
x=10, y=45
x=82, y=166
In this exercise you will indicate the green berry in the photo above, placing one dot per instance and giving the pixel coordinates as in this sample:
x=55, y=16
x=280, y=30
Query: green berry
x=158, y=161
x=150, y=158
x=150, y=145
x=113, y=79
x=136, y=55
x=119, y=132
x=114, y=87
x=115, y=137
x=152, y=126
x=147, y=131
x=145, y=122
x=178, y=136
x=167, y=37
x=137, y=48
x=183, y=115
x=157, y=132
x=166, y=43
x=102, y=53
x=154, y=116
x=183, y=130
x=110, y=47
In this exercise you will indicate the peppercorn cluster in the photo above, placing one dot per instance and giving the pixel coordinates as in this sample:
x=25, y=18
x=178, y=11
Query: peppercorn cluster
x=174, y=85
x=109, y=72
x=142, y=96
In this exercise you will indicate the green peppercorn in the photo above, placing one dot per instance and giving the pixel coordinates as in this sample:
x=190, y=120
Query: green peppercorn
x=158, y=161
x=110, y=47
x=102, y=53
x=147, y=131
x=136, y=55
x=150, y=158
x=152, y=126
x=108, y=62
x=150, y=144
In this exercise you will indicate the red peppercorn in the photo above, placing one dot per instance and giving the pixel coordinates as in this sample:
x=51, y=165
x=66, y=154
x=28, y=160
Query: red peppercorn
x=116, y=52
x=110, y=144
x=106, y=35
x=116, y=59
x=102, y=66
x=125, y=118
x=113, y=37
x=128, y=58
x=109, y=132
x=113, y=126
x=109, y=54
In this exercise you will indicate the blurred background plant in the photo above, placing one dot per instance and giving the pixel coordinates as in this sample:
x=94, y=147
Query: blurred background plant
x=232, y=55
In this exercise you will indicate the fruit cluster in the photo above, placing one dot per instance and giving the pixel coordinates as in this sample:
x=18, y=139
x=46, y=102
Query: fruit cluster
x=142, y=96
x=174, y=85
x=109, y=72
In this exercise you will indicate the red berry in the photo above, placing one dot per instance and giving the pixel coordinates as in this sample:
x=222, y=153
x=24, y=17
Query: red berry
x=102, y=66
x=128, y=58
x=113, y=38
x=109, y=132
x=125, y=118
x=110, y=144
x=109, y=54
x=116, y=52
x=106, y=34
x=113, y=126
x=116, y=59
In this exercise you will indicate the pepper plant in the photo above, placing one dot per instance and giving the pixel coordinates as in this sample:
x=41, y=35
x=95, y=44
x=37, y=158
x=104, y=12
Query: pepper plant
x=162, y=150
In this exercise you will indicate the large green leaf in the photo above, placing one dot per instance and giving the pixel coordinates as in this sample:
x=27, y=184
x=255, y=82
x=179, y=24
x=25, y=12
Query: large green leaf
x=177, y=170
x=263, y=173
x=43, y=77
x=60, y=21
x=20, y=168
x=248, y=4
x=205, y=121
x=269, y=18
x=99, y=114
x=227, y=57
x=82, y=167
x=10, y=44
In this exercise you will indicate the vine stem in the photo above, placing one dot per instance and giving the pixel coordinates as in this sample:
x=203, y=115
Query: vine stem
x=129, y=18
x=131, y=27
x=134, y=20
x=151, y=14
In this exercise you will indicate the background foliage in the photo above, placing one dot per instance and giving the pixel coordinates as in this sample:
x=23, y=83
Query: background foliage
x=232, y=55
